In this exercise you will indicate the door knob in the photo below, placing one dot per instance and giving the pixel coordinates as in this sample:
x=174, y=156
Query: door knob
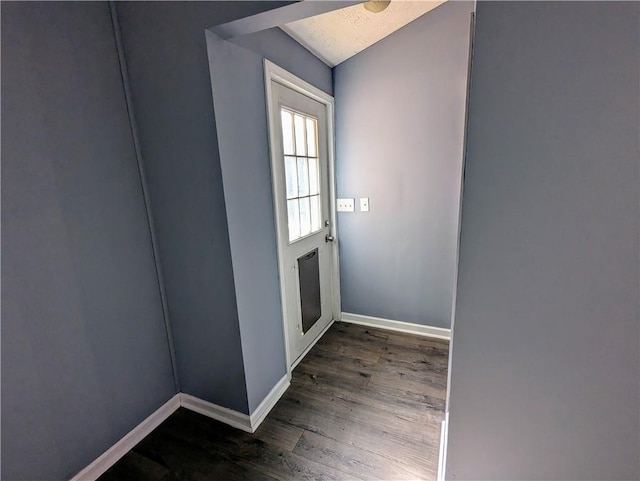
x=329, y=238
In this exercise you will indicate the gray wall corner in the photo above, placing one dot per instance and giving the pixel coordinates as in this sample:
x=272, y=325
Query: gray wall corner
x=400, y=112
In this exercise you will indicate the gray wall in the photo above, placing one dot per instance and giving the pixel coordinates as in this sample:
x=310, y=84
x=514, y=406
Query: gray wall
x=282, y=50
x=546, y=337
x=400, y=107
x=84, y=349
x=237, y=78
x=169, y=76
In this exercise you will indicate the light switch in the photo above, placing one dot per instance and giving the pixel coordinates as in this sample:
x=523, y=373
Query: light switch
x=364, y=204
x=346, y=205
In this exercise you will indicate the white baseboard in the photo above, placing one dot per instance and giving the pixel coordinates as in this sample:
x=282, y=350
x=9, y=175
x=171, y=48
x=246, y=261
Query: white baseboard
x=400, y=326
x=268, y=402
x=122, y=447
x=234, y=418
x=442, y=458
x=228, y=416
x=219, y=413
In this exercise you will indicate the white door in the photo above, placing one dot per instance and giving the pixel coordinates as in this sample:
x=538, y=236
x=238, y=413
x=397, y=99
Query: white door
x=302, y=195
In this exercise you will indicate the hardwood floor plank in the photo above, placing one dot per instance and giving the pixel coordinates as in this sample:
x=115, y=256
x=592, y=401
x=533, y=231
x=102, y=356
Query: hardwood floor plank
x=337, y=372
x=351, y=459
x=432, y=353
x=278, y=434
x=383, y=437
x=184, y=460
x=396, y=384
x=367, y=353
x=231, y=471
x=251, y=453
x=338, y=359
x=352, y=410
x=410, y=405
x=352, y=338
x=134, y=467
x=410, y=371
x=247, y=450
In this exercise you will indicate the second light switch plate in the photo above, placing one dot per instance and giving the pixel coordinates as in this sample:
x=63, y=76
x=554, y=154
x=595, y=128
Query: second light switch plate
x=364, y=204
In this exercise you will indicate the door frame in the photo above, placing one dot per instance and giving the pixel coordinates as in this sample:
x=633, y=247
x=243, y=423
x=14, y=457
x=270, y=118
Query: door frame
x=273, y=72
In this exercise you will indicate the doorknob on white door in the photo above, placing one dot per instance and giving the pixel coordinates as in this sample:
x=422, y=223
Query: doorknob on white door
x=329, y=238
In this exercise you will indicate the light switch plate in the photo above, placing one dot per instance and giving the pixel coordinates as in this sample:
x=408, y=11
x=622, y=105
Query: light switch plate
x=364, y=204
x=346, y=205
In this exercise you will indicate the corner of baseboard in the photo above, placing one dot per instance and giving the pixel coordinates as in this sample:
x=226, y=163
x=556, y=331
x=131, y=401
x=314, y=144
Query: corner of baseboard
x=228, y=416
x=225, y=415
x=269, y=402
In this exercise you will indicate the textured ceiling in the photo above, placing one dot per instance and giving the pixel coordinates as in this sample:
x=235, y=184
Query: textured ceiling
x=338, y=35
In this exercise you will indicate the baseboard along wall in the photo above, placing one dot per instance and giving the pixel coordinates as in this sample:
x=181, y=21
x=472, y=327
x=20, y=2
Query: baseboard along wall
x=122, y=447
x=245, y=422
x=399, y=326
x=269, y=402
x=228, y=416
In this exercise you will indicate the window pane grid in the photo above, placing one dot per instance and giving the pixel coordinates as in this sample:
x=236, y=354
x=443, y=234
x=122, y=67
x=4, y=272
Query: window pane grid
x=302, y=174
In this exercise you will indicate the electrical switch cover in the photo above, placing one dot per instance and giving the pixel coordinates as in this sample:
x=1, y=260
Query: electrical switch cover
x=346, y=205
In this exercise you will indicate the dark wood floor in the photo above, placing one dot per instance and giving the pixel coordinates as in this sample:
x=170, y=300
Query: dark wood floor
x=363, y=404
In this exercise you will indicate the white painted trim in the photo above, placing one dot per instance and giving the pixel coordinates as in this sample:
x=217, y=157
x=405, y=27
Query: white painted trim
x=278, y=219
x=124, y=445
x=224, y=415
x=286, y=78
x=269, y=402
x=245, y=422
x=443, y=431
x=442, y=458
x=400, y=326
x=274, y=72
x=440, y=452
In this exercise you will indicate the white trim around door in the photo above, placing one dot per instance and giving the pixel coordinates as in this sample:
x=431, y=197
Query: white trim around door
x=273, y=72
